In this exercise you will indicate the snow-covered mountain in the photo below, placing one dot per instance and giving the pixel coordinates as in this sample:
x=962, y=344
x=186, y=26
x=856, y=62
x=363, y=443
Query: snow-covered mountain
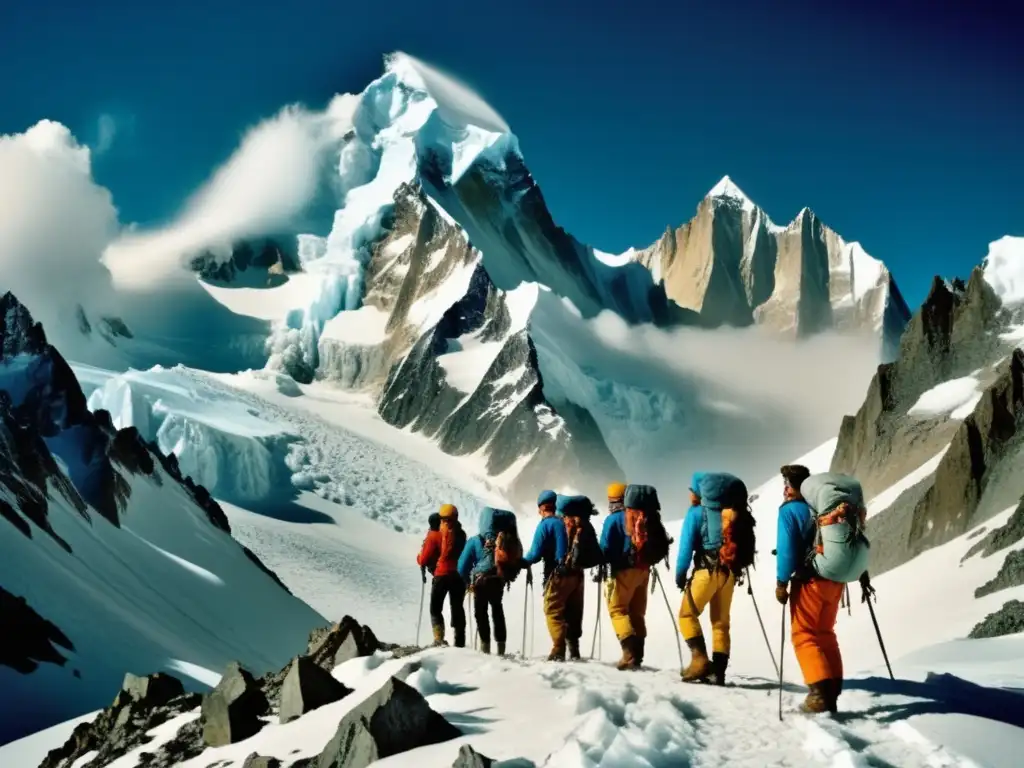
x=446, y=291
x=112, y=560
x=733, y=265
x=948, y=414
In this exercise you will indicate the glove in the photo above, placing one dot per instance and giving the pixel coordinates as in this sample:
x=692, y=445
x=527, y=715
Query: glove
x=423, y=573
x=601, y=573
x=782, y=592
x=866, y=590
x=682, y=582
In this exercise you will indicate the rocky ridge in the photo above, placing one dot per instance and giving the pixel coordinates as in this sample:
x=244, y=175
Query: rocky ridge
x=390, y=720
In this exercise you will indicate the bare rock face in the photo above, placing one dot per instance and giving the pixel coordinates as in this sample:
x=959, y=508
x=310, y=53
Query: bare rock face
x=261, y=263
x=259, y=761
x=232, y=710
x=345, y=641
x=307, y=687
x=393, y=720
x=734, y=266
x=1008, y=620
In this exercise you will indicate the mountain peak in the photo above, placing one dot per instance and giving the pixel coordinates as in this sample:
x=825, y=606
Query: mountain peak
x=726, y=188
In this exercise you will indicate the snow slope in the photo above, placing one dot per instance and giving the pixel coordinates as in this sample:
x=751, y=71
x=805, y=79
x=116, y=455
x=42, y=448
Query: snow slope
x=590, y=715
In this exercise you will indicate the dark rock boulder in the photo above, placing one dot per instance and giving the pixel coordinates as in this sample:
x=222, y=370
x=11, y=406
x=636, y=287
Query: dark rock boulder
x=259, y=761
x=393, y=720
x=1008, y=620
x=26, y=638
x=1002, y=537
x=345, y=641
x=306, y=687
x=470, y=758
x=232, y=711
x=151, y=691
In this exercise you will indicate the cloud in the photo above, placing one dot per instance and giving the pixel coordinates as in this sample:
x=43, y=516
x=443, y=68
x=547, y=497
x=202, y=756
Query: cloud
x=270, y=179
x=55, y=222
x=106, y=130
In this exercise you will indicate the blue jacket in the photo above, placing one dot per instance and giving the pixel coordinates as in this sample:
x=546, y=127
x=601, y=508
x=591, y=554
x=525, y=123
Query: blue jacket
x=796, y=527
x=615, y=542
x=549, y=544
x=470, y=555
x=689, y=542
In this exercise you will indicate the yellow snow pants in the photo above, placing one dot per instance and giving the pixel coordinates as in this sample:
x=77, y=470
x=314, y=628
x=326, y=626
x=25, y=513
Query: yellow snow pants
x=712, y=588
x=627, y=602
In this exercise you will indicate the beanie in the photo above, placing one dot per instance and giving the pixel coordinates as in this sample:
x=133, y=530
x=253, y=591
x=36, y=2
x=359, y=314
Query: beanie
x=546, y=497
x=616, y=491
x=449, y=511
x=695, y=482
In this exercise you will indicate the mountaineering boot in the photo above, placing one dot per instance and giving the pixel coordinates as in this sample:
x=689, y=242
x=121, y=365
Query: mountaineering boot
x=574, y=650
x=817, y=700
x=640, y=643
x=501, y=649
x=700, y=664
x=628, y=661
x=485, y=647
x=557, y=653
x=460, y=638
x=439, y=635
x=720, y=662
x=835, y=687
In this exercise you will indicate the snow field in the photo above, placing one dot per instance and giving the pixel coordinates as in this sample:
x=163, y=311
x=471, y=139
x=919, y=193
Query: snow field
x=956, y=397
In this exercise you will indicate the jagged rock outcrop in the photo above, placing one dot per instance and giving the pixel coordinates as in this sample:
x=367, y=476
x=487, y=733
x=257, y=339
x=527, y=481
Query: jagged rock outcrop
x=232, y=711
x=1008, y=620
x=259, y=761
x=449, y=355
x=733, y=266
x=1002, y=537
x=26, y=638
x=956, y=336
x=343, y=642
x=141, y=705
x=393, y=720
x=259, y=263
x=470, y=758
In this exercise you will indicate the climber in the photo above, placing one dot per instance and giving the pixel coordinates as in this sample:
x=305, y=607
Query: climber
x=632, y=540
x=821, y=548
x=440, y=555
x=717, y=535
x=490, y=562
x=549, y=545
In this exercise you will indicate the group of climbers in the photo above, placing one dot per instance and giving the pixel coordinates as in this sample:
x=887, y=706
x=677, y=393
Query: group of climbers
x=821, y=548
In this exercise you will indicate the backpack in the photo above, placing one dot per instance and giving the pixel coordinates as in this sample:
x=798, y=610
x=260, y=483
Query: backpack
x=502, y=555
x=839, y=550
x=453, y=541
x=644, y=526
x=583, y=550
x=727, y=524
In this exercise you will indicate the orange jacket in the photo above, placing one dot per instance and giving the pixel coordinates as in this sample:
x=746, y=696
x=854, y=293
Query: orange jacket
x=430, y=556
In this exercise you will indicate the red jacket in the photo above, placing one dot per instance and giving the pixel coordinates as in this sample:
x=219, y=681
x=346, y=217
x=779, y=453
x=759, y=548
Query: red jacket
x=430, y=555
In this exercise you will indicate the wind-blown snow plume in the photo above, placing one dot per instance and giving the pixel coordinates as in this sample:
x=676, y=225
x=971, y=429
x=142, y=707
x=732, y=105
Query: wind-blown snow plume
x=267, y=183
x=54, y=221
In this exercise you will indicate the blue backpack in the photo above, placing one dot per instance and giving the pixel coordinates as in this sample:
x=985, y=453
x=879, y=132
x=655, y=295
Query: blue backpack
x=727, y=540
x=583, y=550
x=502, y=554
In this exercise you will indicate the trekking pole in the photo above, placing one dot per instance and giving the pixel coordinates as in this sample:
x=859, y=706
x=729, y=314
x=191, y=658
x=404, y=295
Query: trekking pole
x=782, y=656
x=849, y=603
x=868, y=592
x=671, y=615
x=526, y=602
x=419, y=621
x=597, y=619
x=767, y=642
x=533, y=623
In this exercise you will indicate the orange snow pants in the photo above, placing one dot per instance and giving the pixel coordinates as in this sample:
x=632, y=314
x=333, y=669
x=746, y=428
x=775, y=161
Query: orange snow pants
x=813, y=609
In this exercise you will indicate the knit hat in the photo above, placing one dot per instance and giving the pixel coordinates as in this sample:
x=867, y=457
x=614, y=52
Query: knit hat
x=695, y=482
x=449, y=511
x=546, y=497
x=434, y=521
x=616, y=491
x=794, y=475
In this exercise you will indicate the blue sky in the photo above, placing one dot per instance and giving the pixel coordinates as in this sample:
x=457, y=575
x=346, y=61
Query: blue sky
x=900, y=129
